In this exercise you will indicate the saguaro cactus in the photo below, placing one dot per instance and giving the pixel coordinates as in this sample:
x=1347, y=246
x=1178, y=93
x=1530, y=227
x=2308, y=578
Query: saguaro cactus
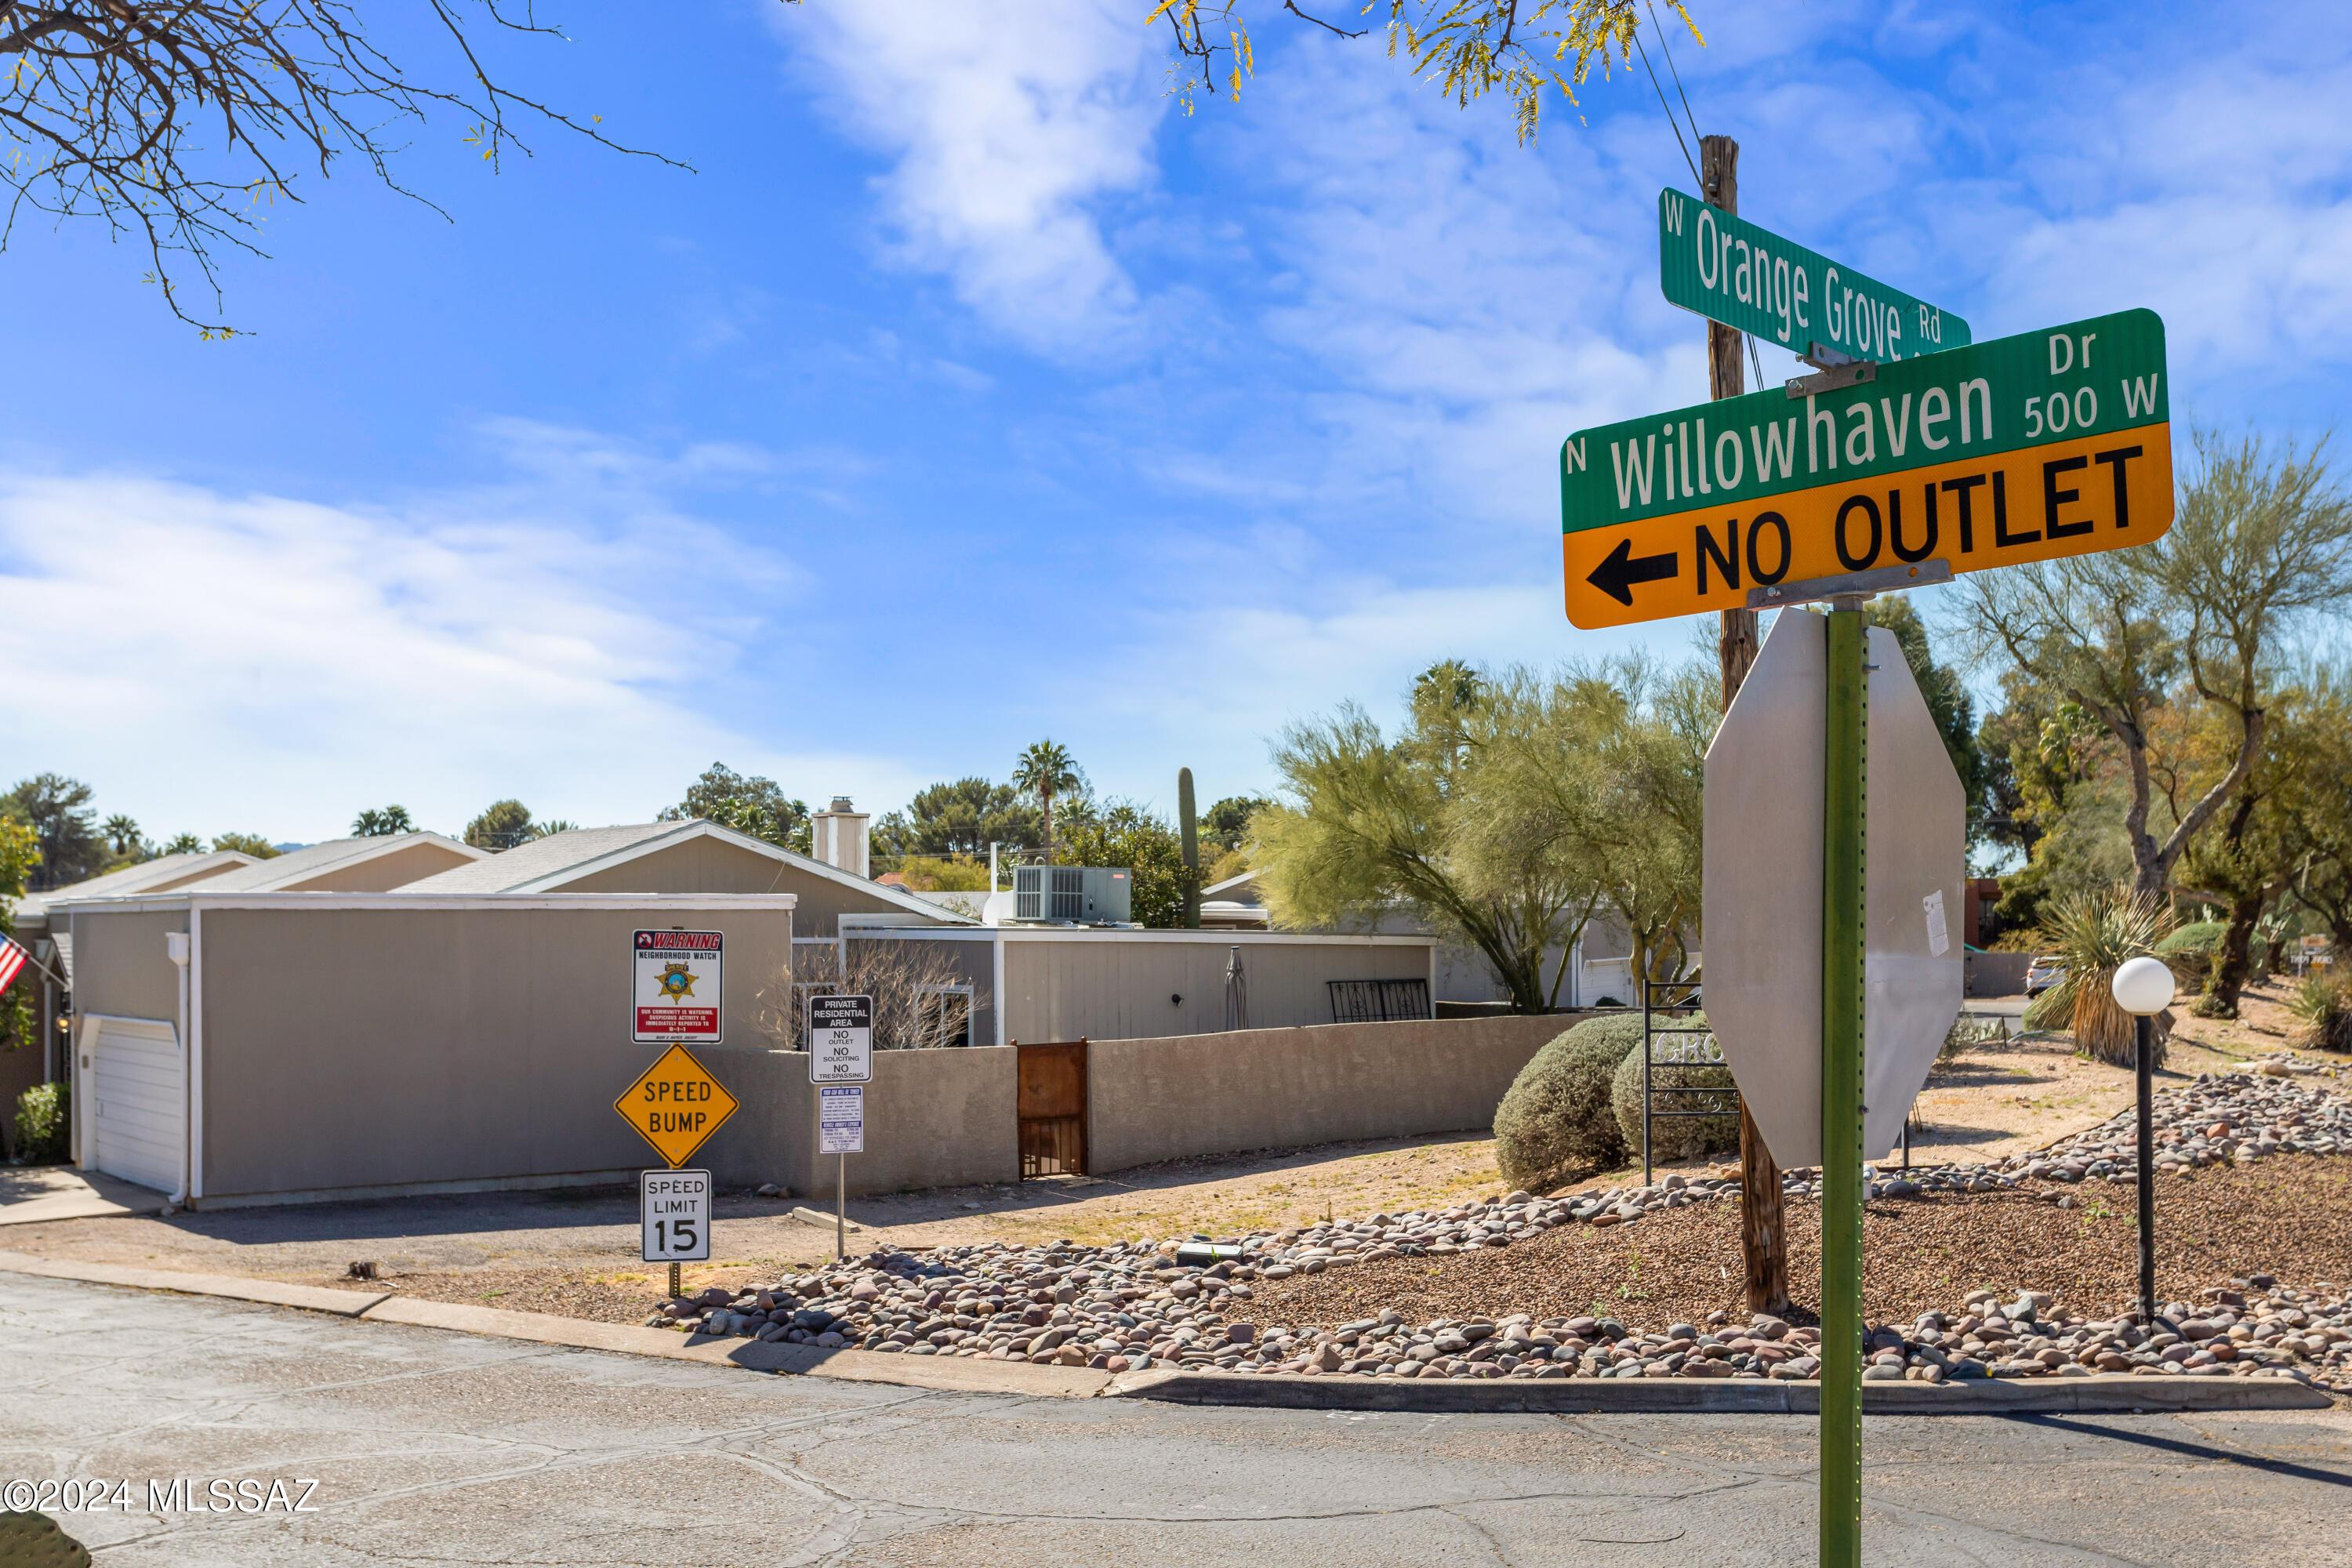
x=1189, y=823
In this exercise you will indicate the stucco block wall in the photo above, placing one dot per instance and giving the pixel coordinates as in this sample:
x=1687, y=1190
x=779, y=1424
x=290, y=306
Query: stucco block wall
x=120, y=965
x=1261, y=1089
x=1117, y=986
x=933, y=1119
x=374, y=1047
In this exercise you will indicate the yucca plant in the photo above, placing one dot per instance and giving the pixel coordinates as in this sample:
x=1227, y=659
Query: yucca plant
x=2324, y=1003
x=2091, y=935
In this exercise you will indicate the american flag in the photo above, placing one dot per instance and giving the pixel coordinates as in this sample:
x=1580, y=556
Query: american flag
x=12, y=958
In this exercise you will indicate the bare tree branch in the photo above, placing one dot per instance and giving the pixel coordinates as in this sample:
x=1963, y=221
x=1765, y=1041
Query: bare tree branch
x=174, y=121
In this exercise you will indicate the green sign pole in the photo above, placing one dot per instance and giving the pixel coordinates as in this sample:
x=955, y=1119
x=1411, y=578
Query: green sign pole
x=1841, y=1152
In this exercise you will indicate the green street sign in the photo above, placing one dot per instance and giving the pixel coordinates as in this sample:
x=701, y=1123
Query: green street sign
x=1723, y=268
x=2027, y=448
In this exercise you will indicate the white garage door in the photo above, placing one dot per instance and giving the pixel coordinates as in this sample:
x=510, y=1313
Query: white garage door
x=136, y=1096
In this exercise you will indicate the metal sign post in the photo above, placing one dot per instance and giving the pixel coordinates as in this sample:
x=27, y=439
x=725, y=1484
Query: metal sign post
x=841, y=1131
x=840, y=1061
x=1844, y=740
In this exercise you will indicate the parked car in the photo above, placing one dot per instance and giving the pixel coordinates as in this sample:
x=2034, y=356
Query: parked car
x=2044, y=972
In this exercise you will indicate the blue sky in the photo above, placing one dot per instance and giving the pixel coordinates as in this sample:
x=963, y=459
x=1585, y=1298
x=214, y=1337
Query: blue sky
x=971, y=392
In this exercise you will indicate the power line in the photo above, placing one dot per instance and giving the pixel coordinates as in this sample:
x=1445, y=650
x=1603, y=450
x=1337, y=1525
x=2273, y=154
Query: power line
x=1669, y=108
x=1678, y=74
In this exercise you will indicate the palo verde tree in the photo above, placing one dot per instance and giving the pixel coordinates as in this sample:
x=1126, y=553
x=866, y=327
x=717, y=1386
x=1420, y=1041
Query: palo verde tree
x=1520, y=49
x=1433, y=822
x=176, y=125
x=2261, y=548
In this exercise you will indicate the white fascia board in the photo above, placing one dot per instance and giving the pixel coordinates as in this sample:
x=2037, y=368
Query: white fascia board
x=413, y=901
x=1083, y=933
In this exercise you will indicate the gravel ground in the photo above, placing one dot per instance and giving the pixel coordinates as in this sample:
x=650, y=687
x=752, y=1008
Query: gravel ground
x=1522, y=1286
x=2291, y=1215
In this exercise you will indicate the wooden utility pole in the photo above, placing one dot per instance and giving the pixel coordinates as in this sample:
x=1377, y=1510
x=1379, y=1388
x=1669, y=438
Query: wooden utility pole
x=1762, y=1237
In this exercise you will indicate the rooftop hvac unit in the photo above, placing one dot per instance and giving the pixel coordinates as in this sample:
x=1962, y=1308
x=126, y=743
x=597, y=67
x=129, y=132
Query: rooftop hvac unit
x=1073, y=895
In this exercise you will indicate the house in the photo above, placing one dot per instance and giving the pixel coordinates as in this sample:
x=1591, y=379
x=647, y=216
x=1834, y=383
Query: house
x=691, y=856
x=1463, y=975
x=51, y=983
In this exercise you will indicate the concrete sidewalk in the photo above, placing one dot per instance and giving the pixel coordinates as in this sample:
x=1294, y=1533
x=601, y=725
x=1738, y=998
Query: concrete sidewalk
x=32, y=1195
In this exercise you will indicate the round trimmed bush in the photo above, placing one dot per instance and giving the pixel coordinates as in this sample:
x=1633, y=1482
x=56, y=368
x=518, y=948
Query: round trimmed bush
x=1556, y=1123
x=1674, y=1137
x=2188, y=952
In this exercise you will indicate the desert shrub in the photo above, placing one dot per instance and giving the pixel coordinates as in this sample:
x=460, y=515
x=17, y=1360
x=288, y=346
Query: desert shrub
x=1969, y=1031
x=1556, y=1123
x=2188, y=952
x=1676, y=1137
x=2323, y=1003
x=2092, y=934
x=42, y=1123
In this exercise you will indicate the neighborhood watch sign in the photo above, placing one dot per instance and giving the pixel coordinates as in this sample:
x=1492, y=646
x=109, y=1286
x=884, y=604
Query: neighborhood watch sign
x=2025, y=448
x=677, y=986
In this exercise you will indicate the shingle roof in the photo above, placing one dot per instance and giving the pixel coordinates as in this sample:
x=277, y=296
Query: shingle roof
x=546, y=865
x=543, y=857
x=163, y=868
x=301, y=864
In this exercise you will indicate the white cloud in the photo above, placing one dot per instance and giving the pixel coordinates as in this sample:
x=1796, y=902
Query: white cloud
x=1006, y=130
x=215, y=661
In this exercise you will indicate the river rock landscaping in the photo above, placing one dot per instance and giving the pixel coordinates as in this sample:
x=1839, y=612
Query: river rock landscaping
x=1634, y=1282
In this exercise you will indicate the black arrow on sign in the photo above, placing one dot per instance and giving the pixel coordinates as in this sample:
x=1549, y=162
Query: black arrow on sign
x=1616, y=575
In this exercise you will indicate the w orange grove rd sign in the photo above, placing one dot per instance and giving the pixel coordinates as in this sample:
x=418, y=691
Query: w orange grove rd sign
x=1729, y=271
x=675, y=1105
x=2027, y=448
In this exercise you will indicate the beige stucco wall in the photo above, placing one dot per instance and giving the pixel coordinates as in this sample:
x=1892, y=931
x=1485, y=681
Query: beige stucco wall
x=1265, y=1088
x=121, y=966
x=381, y=873
x=1119, y=985
x=381, y=1047
x=933, y=1119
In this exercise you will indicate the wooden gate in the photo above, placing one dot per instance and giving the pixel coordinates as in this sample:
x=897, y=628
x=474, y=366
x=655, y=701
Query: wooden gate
x=1052, y=1109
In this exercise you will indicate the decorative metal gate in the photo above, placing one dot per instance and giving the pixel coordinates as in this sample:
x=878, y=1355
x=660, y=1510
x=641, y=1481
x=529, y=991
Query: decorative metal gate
x=1052, y=1107
x=1377, y=1001
x=1672, y=1044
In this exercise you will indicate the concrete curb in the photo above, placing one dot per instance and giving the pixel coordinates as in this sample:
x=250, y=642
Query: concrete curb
x=2103, y=1393
x=310, y=1298
x=2108, y=1394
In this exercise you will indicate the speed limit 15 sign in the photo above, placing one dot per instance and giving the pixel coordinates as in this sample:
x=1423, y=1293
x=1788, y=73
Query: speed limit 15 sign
x=674, y=1209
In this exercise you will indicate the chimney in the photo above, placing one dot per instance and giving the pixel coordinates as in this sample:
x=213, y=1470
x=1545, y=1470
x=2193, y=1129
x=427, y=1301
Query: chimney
x=838, y=835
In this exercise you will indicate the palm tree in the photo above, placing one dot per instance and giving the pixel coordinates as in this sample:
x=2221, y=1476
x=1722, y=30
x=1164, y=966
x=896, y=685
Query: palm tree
x=382, y=822
x=122, y=833
x=1045, y=769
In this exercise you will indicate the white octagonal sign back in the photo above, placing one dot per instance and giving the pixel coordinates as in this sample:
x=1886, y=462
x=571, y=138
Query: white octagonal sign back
x=1762, y=936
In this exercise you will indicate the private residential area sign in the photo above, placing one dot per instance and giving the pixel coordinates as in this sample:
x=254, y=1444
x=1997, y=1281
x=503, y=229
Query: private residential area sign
x=675, y=1105
x=2031, y=448
x=841, y=1038
x=1729, y=271
x=677, y=986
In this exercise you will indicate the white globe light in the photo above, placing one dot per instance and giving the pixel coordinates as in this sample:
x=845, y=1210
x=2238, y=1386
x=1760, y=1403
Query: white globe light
x=2143, y=987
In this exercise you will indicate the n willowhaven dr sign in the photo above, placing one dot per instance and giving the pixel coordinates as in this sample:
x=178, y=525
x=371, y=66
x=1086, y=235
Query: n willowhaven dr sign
x=2052, y=443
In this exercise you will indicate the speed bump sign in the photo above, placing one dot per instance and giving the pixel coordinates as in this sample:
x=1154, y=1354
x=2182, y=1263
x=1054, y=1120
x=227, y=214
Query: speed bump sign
x=675, y=1105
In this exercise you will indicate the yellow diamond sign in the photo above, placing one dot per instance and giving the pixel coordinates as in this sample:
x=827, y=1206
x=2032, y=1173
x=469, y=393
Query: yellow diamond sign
x=675, y=1105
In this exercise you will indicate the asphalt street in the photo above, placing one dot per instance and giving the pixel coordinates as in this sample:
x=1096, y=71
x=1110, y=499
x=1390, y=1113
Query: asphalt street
x=431, y=1448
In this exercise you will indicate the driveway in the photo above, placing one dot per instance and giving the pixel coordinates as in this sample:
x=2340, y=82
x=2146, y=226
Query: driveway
x=433, y=1447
